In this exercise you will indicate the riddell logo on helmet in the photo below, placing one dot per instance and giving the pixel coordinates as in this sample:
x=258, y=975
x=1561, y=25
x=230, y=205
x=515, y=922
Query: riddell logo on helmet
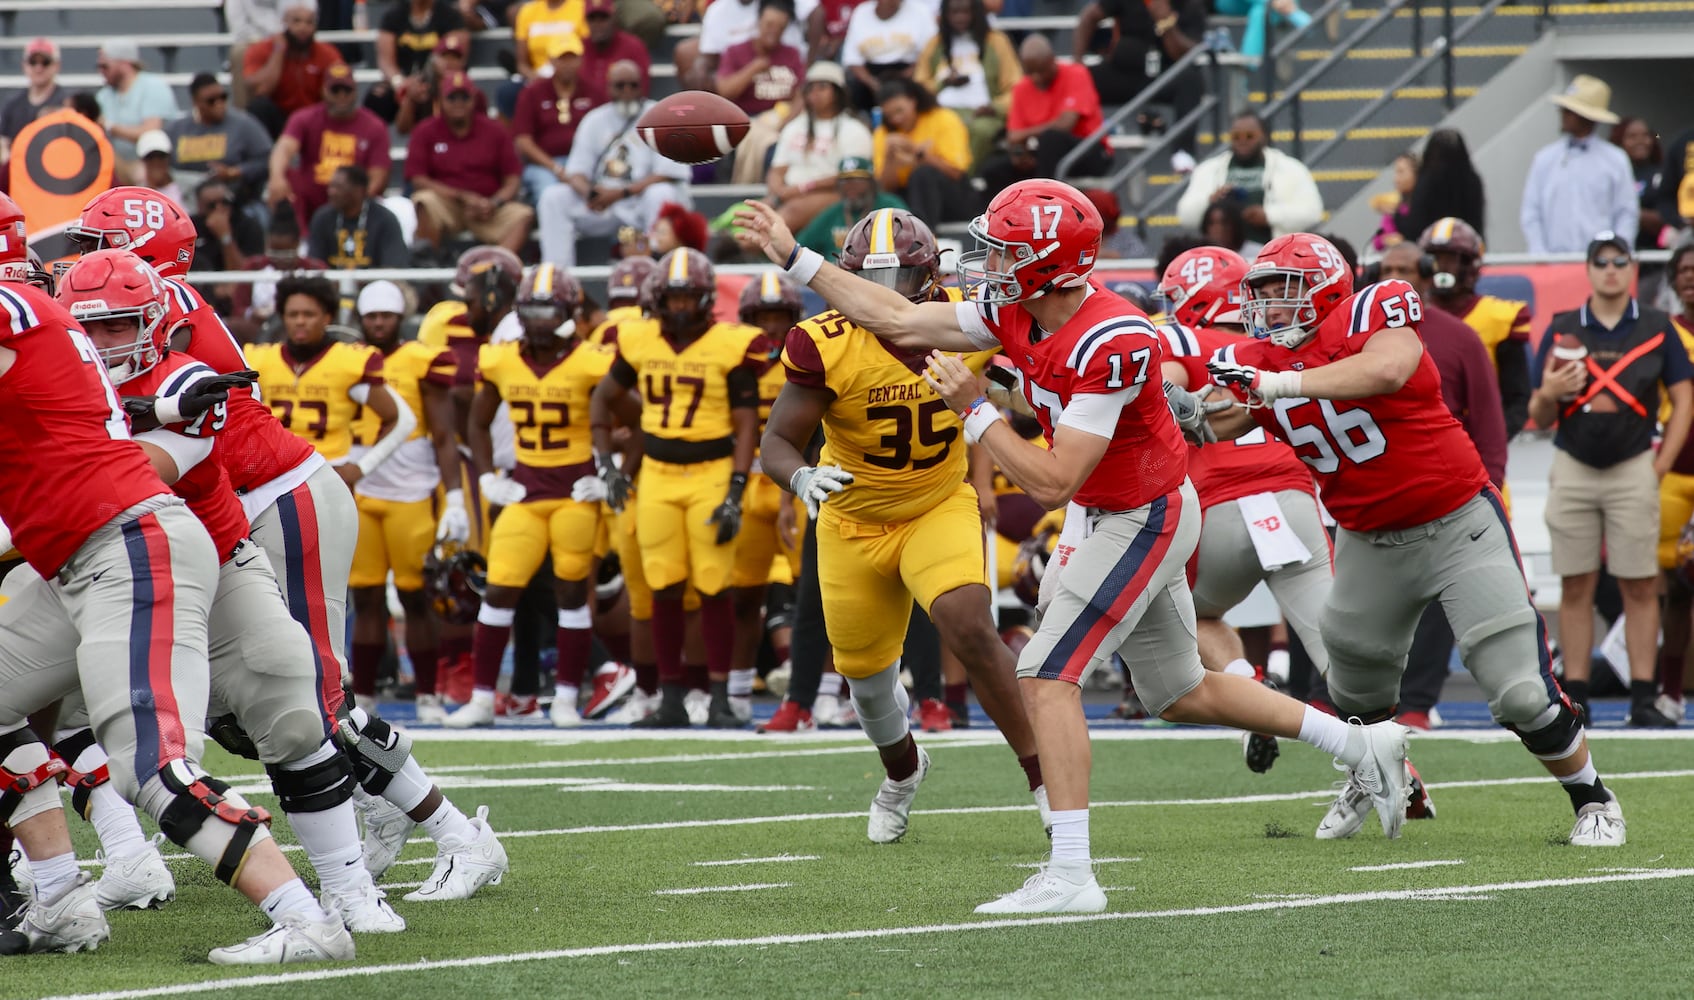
x=182, y=255
x=87, y=306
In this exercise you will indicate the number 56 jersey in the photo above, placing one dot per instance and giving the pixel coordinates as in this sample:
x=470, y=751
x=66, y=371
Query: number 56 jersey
x=1386, y=462
x=905, y=448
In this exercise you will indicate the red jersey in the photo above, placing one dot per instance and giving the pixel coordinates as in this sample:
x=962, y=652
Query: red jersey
x=1108, y=347
x=205, y=487
x=1383, y=463
x=256, y=448
x=1252, y=463
x=70, y=466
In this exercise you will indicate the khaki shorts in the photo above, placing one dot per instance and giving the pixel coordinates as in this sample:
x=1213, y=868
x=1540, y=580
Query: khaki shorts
x=1617, y=505
x=450, y=218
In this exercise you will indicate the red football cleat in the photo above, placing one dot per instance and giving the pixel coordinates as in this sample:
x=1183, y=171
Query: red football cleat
x=934, y=716
x=456, y=679
x=611, y=683
x=1415, y=720
x=509, y=706
x=789, y=718
x=1419, y=805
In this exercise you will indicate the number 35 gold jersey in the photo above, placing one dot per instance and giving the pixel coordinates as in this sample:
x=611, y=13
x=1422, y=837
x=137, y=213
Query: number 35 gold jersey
x=905, y=448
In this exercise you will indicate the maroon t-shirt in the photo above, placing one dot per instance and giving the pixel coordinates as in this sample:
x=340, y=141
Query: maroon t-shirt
x=779, y=82
x=327, y=144
x=478, y=161
x=597, y=59
x=550, y=122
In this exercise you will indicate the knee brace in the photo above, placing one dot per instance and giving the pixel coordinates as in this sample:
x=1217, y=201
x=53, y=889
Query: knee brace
x=881, y=704
x=229, y=735
x=317, y=787
x=1554, y=735
x=70, y=749
x=202, y=815
x=28, y=776
x=376, y=750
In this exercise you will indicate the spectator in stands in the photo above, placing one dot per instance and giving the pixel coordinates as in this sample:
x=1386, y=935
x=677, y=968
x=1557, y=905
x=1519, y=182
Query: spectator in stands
x=154, y=150
x=676, y=226
x=1647, y=158
x=333, y=133
x=1223, y=226
x=248, y=21
x=1275, y=191
x=612, y=178
x=1116, y=242
x=422, y=96
x=858, y=197
x=354, y=229
x=1393, y=205
x=923, y=154
x=646, y=19
x=536, y=23
x=607, y=43
x=1447, y=187
x=224, y=237
x=826, y=28
x=802, y=178
x=1054, y=109
x=1579, y=184
x=971, y=68
x=884, y=40
x=1148, y=37
x=219, y=141
x=285, y=73
x=548, y=113
x=42, y=95
x=725, y=23
x=1604, y=488
x=132, y=101
x=407, y=39
x=1676, y=187
x=465, y=174
x=253, y=313
x=1283, y=12
x=762, y=76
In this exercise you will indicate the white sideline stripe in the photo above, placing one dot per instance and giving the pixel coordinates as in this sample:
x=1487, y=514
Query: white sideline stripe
x=755, y=861
x=749, y=887
x=320, y=975
x=1399, y=865
x=1098, y=861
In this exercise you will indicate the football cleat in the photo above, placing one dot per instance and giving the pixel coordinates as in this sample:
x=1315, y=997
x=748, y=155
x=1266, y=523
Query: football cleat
x=21, y=873
x=699, y=706
x=138, y=882
x=364, y=910
x=612, y=682
x=460, y=870
x=721, y=714
x=892, y=805
x=1647, y=716
x=1416, y=720
x=776, y=682
x=1259, y=749
x=71, y=922
x=1383, y=776
x=517, y=706
x=831, y=711
x=430, y=712
x=1419, y=805
x=639, y=705
x=1047, y=892
x=564, y=714
x=472, y=714
x=788, y=718
x=665, y=716
x=293, y=938
x=1347, y=813
x=1130, y=709
x=456, y=680
x=934, y=716
x=386, y=830
x=1670, y=707
x=1599, y=824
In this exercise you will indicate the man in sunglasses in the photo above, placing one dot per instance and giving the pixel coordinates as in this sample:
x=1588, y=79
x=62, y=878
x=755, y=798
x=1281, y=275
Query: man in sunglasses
x=322, y=138
x=465, y=173
x=41, y=69
x=1600, y=368
x=220, y=142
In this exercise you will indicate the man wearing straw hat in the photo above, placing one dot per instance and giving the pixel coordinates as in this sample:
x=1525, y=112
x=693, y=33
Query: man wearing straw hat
x=1579, y=184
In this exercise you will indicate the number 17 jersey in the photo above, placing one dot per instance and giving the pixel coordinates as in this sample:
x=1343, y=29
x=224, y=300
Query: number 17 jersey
x=886, y=426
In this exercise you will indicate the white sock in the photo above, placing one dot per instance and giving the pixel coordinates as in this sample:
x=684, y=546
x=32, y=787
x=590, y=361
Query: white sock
x=741, y=683
x=331, y=840
x=293, y=897
x=115, y=823
x=567, y=693
x=1241, y=668
x=1586, y=776
x=830, y=684
x=1276, y=664
x=1070, y=839
x=482, y=696
x=53, y=875
x=448, y=827
x=1331, y=735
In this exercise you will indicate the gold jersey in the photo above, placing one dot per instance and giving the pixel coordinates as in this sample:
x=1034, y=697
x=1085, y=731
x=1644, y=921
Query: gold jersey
x=404, y=371
x=312, y=400
x=685, y=392
x=614, y=318
x=549, y=406
x=1496, y=321
x=432, y=330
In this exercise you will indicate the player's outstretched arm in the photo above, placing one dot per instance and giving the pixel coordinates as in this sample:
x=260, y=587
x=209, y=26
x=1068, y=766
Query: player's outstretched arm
x=395, y=423
x=1385, y=363
x=882, y=311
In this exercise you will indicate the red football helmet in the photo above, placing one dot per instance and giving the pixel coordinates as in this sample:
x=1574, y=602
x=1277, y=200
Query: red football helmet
x=629, y=275
x=1046, y=235
x=1295, y=282
x=689, y=272
x=140, y=220
x=549, y=297
x=14, y=243
x=117, y=284
x=894, y=248
x=1460, y=238
x=1202, y=287
x=774, y=294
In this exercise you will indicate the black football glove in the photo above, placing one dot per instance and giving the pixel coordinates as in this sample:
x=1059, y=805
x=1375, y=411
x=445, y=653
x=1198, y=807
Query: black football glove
x=141, y=415
x=189, y=404
x=617, y=484
x=727, y=516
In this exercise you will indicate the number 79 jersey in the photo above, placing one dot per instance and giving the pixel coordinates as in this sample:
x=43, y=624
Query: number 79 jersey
x=1383, y=463
x=886, y=426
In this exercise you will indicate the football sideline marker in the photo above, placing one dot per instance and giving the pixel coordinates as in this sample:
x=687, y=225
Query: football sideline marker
x=477, y=961
x=755, y=861
x=749, y=887
x=1403, y=865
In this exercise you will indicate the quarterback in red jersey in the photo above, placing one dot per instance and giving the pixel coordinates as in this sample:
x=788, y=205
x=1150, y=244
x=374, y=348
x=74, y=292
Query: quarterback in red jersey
x=1117, y=459
x=1344, y=378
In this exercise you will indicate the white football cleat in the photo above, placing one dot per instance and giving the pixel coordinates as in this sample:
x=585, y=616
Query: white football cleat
x=776, y=682
x=293, y=938
x=699, y=706
x=460, y=872
x=1046, y=892
x=71, y=922
x=473, y=714
x=21, y=873
x=893, y=804
x=386, y=830
x=639, y=705
x=1346, y=815
x=832, y=711
x=1599, y=825
x=564, y=714
x=138, y=882
x=1045, y=810
x=430, y=712
x=364, y=910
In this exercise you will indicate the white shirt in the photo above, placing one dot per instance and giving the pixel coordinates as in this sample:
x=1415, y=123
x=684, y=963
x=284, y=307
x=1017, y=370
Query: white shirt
x=729, y=22
x=900, y=39
x=606, y=149
x=966, y=60
x=832, y=140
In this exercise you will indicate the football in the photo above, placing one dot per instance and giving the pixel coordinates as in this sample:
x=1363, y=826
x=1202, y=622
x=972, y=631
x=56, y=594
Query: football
x=1568, y=350
x=693, y=127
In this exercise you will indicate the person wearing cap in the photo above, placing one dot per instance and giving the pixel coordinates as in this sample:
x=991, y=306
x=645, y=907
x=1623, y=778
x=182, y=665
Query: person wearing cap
x=1604, y=488
x=219, y=141
x=548, y=113
x=608, y=43
x=859, y=197
x=154, y=149
x=286, y=72
x=810, y=148
x=465, y=174
x=354, y=229
x=762, y=76
x=725, y=23
x=1579, y=184
x=42, y=95
x=318, y=139
x=132, y=101
x=421, y=97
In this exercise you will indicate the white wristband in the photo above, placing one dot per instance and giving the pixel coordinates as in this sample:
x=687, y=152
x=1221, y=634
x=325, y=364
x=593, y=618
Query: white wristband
x=456, y=498
x=1278, y=385
x=165, y=410
x=806, y=266
x=981, y=416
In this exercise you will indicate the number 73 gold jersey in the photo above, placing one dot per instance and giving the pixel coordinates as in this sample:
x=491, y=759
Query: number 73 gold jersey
x=905, y=448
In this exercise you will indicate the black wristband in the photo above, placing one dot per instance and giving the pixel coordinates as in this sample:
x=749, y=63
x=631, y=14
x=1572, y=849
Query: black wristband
x=737, y=485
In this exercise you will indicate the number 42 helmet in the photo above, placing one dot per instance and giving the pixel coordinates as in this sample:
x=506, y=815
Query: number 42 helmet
x=1202, y=287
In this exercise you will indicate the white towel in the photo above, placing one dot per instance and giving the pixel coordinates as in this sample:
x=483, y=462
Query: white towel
x=1273, y=538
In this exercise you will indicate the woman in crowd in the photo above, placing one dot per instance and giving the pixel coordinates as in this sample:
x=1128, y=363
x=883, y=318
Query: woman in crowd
x=971, y=68
x=811, y=147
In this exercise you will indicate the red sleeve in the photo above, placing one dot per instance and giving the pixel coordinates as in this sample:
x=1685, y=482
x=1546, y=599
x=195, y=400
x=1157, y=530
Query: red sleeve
x=1016, y=115
x=297, y=129
x=1520, y=325
x=1383, y=306
x=256, y=56
x=1079, y=94
x=803, y=362
x=524, y=118
x=1128, y=355
x=372, y=375
x=418, y=158
x=1182, y=346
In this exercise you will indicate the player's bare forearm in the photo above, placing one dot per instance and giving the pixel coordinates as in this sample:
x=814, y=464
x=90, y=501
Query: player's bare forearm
x=1049, y=477
x=746, y=422
x=1543, y=408
x=438, y=419
x=788, y=430
x=1388, y=360
x=600, y=414
x=481, y=440
x=890, y=315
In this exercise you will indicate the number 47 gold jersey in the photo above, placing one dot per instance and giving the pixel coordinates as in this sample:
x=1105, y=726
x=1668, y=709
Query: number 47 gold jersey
x=905, y=448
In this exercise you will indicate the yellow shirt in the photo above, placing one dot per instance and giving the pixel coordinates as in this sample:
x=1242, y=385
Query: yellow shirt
x=1498, y=320
x=537, y=24
x=905, y=448
x=313, y=400
x=941, y=129
x=549, y=406
x=622, y=314
x=1687, y=335
x=686, y=393
x=405, y=371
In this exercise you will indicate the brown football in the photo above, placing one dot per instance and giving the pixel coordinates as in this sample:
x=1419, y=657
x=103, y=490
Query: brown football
x=693, y=127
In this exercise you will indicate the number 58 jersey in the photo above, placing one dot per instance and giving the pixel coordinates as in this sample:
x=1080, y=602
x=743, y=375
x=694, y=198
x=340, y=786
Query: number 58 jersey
x=886, y=426
x=1386, y=462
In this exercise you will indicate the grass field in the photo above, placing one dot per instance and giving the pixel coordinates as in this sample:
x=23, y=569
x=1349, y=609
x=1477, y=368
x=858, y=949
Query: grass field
x=1217, y=886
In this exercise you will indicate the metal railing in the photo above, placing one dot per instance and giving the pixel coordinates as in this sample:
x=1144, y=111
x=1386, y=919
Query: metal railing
x=1287, y=41
x=1191, y=58
x=1290, y=98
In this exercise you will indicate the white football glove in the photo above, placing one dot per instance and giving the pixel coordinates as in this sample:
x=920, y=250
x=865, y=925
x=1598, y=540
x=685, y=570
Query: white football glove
x=1257, y=386
x=1190, y=410
x=814, y=484
x=589, y=489
x=455, y=523
x=500, y=491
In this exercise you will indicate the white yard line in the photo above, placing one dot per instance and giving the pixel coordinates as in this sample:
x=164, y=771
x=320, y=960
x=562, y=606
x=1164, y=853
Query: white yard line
x=1400, y=865
x=749, y=887
x=570, y=785
x=272, y=979
x=1098, y=861
x=755, y=861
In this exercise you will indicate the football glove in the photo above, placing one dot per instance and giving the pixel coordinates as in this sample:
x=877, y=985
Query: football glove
x=1254, y=385
x=727, y=516
x=617, y=484
x=814, y=484
x=500, y=491
x=589, y=489
x=1190, y=410
x=151, y=412
x=455, y=523
x=1005, y=388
